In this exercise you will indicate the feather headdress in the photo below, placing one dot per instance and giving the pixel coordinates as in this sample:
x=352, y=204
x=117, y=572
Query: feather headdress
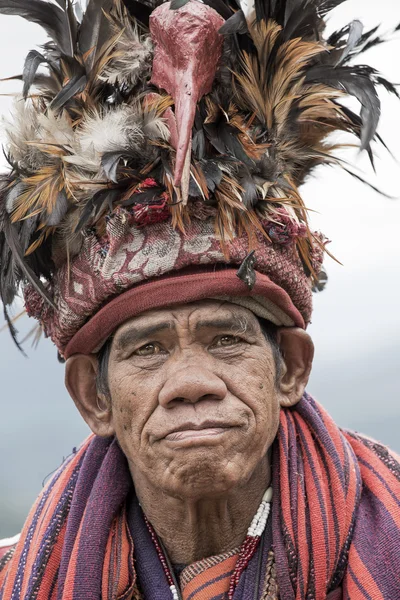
x=99, y=125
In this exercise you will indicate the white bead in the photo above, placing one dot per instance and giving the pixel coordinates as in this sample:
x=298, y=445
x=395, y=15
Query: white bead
x=260, y=519
x=174, y=592
x=268, y=495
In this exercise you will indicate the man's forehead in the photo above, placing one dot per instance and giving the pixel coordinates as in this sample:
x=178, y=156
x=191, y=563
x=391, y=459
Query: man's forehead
x=197, y=314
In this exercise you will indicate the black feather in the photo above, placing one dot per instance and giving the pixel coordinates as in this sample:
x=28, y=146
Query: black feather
x=225, y=140
x=110, y=162
x=10, y=231
x=145, y=197
x=53, y=19
x=75, y=86
x=95, y=29
x=176, y=4
x=212, y=173
x=235, y=24
x=139, y=11
x=355, y=81
x=246, y=272
x=355, y=30
x=370, y=185
x=32, y=63
x=389, y=87
x=59, y=211
x=221, y=7
x=250, y=195
x=199, y=144
x=320, y=284
x=94, y=207
x=11, y=327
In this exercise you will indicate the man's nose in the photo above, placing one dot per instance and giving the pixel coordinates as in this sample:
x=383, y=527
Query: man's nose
x=191, y=384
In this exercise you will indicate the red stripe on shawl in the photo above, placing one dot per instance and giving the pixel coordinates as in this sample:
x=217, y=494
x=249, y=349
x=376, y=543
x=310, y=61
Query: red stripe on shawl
x=342, y=499
x=12, y=572
x=45, y=590
x=47, y=514
x=302, y=534
x=118, y=557
x=13, y=568
x=68, y=593
x=45, y=520
x=374, y=483
x=326, y=473
x=320, y=547
x=343, y=452
x=364, y=576
x=214, y=576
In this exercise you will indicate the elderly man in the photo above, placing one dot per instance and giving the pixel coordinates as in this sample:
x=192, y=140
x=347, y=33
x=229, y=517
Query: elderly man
x=153, y=220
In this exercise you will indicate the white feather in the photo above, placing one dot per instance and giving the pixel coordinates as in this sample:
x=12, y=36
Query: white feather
x=22, y=129
x=132, y=55
x=119, y=128
x=249, y=10
x=56, y=129
x=155, y=127
x=29, y=126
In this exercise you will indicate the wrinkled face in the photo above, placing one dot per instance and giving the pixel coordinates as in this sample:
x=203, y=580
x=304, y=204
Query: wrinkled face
x=195, y=404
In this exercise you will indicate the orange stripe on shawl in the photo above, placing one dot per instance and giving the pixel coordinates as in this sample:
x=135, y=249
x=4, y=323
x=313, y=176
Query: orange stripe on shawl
x=361, y=574
x=373, y=482
x=214, y=581
x=119, y=555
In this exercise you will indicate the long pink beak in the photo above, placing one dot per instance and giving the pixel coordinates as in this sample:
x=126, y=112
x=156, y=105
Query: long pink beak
x=187, y=51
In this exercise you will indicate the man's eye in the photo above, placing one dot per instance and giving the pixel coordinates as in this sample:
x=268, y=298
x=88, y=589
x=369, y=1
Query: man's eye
x=149, y=350
x=227, y=340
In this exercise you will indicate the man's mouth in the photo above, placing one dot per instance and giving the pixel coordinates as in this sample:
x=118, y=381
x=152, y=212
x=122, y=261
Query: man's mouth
x=194, y=431
x=193, y=434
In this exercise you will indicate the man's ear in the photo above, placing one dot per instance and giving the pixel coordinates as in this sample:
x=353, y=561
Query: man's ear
x=80, y=380
x=297, y=350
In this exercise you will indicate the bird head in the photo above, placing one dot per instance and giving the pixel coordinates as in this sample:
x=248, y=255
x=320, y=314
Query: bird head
x=188, y=47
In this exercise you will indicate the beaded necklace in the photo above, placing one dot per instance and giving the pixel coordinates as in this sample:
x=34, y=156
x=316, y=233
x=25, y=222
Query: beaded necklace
x=246, y=553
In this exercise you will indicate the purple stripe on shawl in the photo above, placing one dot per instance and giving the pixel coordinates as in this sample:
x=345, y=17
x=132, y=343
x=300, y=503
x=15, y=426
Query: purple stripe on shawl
x=109, y=491
x=247, y=583
x=293, y=462
x=151, y=576
x=381, y=479
x=90, y=467
x=308, y=409
x=16, y=593
x=50, y=537
x=377, y=541
x=358, y=583
x=208, y=583
x=334, y=515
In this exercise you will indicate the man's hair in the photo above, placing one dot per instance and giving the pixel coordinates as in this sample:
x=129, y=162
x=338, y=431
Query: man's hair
x=269, y=331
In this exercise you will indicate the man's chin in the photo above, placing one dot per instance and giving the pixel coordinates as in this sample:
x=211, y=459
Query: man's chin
x=204, y=473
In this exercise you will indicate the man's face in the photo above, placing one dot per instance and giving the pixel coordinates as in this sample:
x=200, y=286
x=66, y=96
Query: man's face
x=194, y=399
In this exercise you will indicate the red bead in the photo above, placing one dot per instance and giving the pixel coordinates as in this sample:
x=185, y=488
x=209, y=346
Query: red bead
x=247, y=551
x=160, y=553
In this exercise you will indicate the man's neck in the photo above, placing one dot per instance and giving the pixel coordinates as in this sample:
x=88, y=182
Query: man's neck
x=197, y=528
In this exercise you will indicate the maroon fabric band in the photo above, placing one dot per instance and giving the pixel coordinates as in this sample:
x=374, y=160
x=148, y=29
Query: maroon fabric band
x=179, y=288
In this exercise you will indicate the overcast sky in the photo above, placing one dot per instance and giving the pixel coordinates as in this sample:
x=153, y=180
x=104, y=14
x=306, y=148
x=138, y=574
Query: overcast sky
x=356, y=323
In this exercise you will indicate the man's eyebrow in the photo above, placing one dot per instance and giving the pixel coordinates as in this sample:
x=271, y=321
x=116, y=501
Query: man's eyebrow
x=135, y=335
x=236, y=324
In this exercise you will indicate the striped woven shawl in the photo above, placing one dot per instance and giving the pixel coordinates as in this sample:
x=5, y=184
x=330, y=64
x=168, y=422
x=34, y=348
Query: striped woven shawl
x=335, y=520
